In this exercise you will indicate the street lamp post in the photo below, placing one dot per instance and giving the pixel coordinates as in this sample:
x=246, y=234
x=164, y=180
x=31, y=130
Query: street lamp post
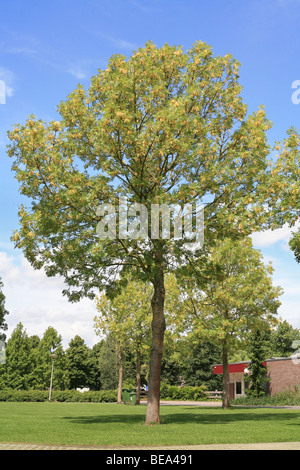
x=53, y=356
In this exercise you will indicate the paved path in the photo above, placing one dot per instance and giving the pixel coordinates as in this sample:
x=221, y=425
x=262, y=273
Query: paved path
x=264, y=446
x=187, y=403
x=217, y=404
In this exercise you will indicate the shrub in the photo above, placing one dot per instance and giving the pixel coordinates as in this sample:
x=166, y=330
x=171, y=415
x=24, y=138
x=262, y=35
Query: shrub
x=24, y=395
x=66, y=395
x=171, y=392
x=102, y=396
x=285, y=398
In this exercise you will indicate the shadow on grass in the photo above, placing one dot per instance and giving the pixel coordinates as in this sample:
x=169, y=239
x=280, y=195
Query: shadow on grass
x=189, y=417
x=228, y=418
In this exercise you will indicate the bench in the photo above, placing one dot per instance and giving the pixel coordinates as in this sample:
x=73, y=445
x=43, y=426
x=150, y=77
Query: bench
x=214, y=395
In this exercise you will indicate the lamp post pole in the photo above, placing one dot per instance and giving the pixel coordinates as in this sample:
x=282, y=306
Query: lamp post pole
x=53, y=356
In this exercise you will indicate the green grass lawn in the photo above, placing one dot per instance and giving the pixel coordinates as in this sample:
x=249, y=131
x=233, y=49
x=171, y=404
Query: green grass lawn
x=123, y=425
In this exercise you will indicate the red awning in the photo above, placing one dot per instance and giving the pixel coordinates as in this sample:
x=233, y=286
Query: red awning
x=235, y=367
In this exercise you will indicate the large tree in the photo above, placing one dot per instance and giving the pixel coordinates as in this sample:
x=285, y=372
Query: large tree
x=50, y=343
x=231, y=296
x=19, y=361
x=161, y=127
x=79, y=363
x=257, y=379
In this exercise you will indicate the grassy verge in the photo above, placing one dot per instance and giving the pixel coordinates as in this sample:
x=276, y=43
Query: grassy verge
x=123, y=425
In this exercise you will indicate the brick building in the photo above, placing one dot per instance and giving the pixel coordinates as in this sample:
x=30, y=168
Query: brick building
x=284, y=373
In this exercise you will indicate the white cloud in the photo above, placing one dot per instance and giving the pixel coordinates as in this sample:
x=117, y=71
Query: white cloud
x=143, y=8
x=291, y=287
x=8, y=77
x=270, y=237
x=82, y=69
x=115, y=41
x=290, y=311
x=78, y=71
x=122, y=43
x=7, y=268
x=37, y=302
x=21, y=50
x=15, y=42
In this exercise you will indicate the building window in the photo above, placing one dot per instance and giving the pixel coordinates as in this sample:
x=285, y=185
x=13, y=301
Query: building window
x=238, y=388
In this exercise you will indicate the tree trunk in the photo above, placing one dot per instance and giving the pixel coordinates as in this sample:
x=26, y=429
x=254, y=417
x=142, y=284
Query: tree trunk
x=138, y=376
x=120, y=374
x=158, y=330
x=225, y=398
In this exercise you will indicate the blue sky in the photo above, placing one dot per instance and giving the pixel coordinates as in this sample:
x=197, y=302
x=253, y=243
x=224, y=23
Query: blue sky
x=47, y=48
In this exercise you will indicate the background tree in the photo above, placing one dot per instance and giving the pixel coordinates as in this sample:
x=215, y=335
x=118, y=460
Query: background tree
x=162, y=126
x=3, y=313
x=176, y=343
x=95, y=371
x=51, y=343
x=110, y=322
x=200, y=357
x=108, y=363
x=257, y=378
x=28, y=362
x=190, y=362
x=19, y=360
x=232, y=296
x=173, y=362
x=128, y=318
x=79, y=363
x=282, y=338
x=277, y=342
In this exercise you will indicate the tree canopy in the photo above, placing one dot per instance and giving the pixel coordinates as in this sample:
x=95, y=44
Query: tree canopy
x=161, y=127
x=286, y=186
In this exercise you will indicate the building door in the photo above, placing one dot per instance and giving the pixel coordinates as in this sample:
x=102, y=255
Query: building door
x=238, y=389
x=231, y=391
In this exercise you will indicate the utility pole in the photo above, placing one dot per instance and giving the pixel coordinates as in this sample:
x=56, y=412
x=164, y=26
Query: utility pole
x=53, y=356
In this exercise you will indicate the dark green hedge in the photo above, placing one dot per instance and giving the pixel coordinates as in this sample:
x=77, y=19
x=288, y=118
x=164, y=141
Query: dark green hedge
x=102, y=396
x=168, y=392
